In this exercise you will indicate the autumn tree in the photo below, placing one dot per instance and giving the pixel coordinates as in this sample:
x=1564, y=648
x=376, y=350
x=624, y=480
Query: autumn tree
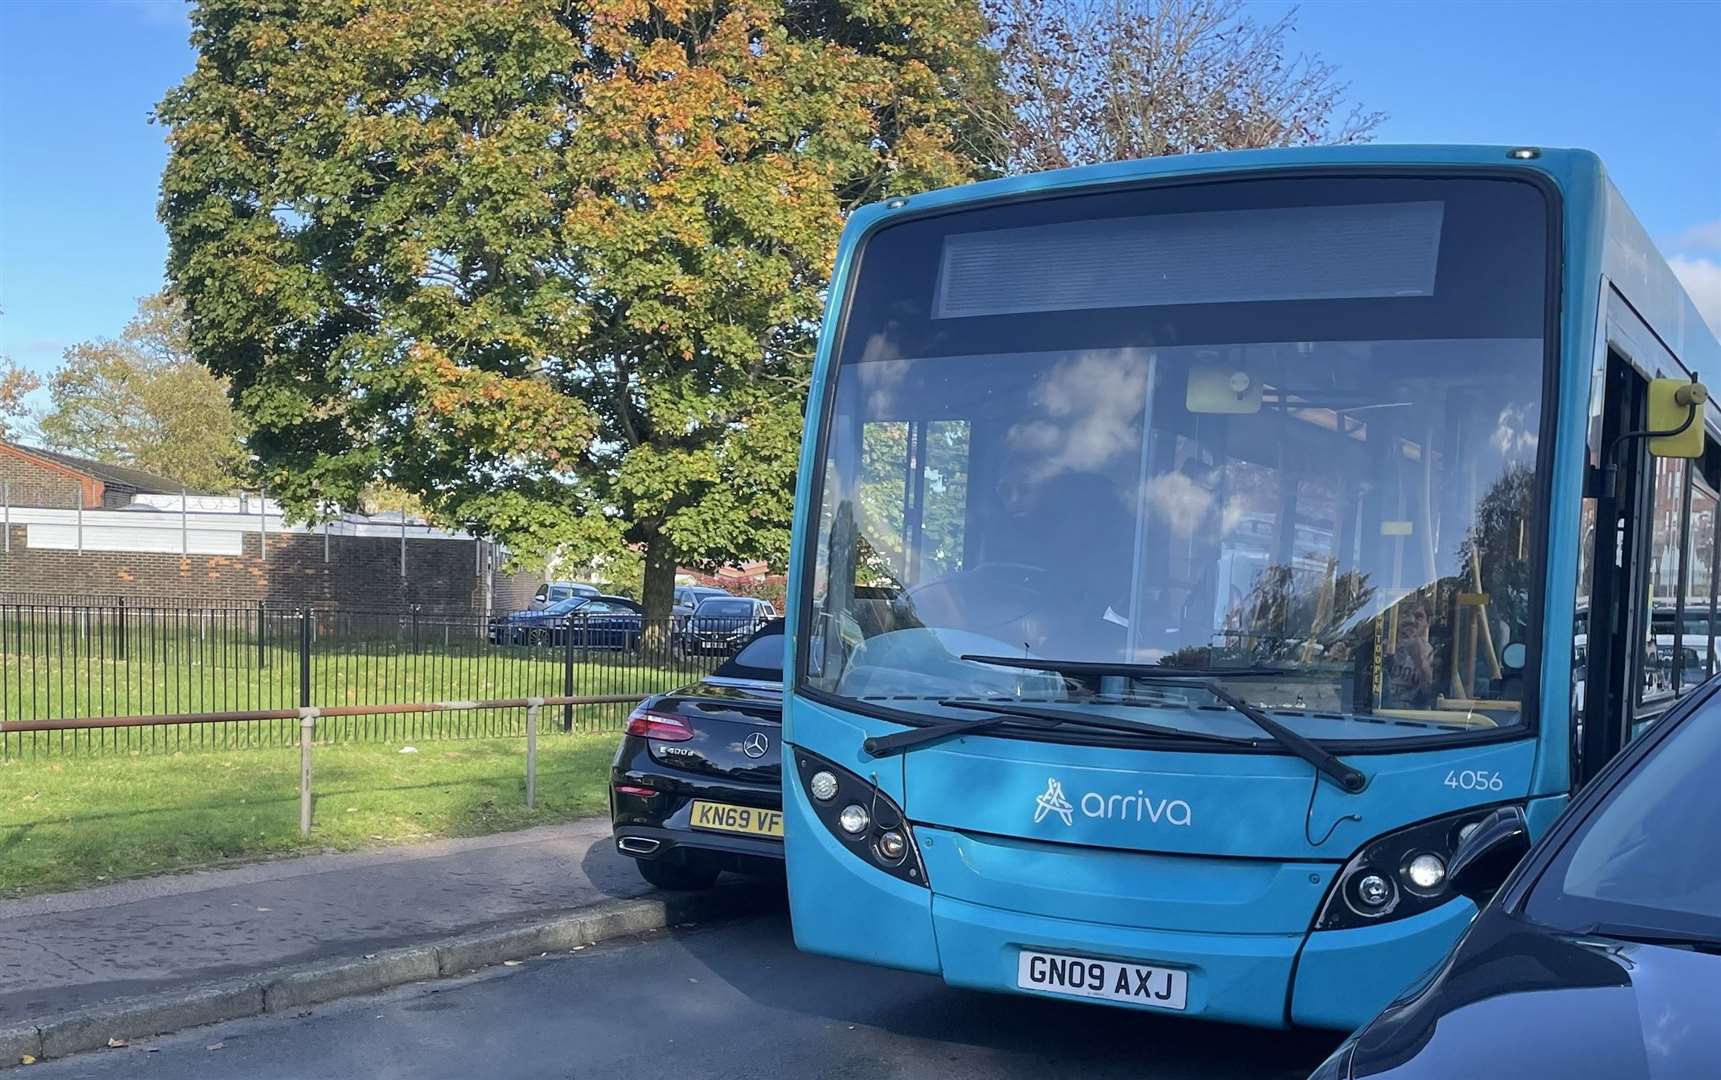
x=16, y=384
x=143, y=400
x=1088, y=81
x=555, y=269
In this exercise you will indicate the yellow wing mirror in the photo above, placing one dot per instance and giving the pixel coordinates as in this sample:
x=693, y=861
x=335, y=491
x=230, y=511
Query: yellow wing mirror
x=1676, y=417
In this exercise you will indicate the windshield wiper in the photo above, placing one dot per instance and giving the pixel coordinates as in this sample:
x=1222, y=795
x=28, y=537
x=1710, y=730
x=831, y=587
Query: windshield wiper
x=1346, y=777
x=1101, y=668
x=1004, y=712
x=1643, y=936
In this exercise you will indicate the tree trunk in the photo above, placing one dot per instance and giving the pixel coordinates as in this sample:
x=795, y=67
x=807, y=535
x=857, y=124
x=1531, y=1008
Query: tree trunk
x=658, y=595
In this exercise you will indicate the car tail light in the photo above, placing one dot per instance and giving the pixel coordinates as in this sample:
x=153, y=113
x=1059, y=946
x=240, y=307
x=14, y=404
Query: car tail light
x=660, y=726
x=636, y=791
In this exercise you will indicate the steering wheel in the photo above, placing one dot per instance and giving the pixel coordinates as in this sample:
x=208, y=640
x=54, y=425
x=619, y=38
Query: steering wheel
x=993, y=599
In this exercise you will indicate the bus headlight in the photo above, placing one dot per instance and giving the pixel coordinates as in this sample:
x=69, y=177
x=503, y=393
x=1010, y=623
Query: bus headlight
x=823, y=786
x=866, y=820
x=1425, y=871
x=1397, y=875
x=854, y=819
x=1373, y=891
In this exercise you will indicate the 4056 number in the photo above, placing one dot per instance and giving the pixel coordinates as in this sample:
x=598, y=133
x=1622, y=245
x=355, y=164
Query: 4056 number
x=1475, y=780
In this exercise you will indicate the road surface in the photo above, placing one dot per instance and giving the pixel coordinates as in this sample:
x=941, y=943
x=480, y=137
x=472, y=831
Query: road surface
x=733, y=1001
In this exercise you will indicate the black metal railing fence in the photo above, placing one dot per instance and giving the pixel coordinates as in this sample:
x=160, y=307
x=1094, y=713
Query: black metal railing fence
x=78, y=661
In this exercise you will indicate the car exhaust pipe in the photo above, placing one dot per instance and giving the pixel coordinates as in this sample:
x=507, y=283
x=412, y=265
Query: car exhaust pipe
x=638, y=845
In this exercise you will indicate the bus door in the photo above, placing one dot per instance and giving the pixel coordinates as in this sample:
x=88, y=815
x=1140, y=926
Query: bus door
x=1645, y=631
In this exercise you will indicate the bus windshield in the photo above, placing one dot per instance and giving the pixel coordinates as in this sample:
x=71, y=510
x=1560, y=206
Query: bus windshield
x=1287, y=426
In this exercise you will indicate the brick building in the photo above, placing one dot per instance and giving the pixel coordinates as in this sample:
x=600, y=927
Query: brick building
x=76, y=531
x=33, y=477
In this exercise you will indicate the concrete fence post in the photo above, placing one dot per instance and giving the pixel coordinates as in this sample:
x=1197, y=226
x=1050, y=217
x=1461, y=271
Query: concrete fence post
x=532, y=707
x=307, y=734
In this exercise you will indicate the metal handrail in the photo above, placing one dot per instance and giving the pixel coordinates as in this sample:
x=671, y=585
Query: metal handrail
x=244, y=715
x=309, y=714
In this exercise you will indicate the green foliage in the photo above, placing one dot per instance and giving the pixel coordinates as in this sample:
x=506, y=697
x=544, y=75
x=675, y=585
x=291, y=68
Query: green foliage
x=143, y=401
x=556, y=270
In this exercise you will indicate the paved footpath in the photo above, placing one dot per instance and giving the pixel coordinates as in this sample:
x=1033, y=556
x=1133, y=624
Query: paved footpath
x=67, y=950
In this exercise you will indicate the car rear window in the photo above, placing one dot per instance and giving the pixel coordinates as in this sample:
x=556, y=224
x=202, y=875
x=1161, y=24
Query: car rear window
x=765, y=651
x=726, y=609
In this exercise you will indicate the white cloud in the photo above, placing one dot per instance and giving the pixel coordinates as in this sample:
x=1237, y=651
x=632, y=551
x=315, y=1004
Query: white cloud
x=1702, y=279
x=1704, y=237
x=1093, y=406
x=1179, y=500
x=1514, y=433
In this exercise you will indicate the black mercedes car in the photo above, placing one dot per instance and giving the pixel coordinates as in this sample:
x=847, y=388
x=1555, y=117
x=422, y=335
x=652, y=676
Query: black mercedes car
x=1600, y=954
x=694, y=789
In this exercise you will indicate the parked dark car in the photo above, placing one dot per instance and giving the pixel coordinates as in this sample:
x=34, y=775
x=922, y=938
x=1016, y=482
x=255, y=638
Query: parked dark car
x=695, y=786
x=721, y=623
x=1600, y=954
x=592, y=622
x=687, y=597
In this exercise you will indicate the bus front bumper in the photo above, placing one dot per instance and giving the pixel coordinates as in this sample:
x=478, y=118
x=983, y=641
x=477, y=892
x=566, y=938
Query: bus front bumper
x=1237, y=977
x=1331, y=979
x=1248, y=956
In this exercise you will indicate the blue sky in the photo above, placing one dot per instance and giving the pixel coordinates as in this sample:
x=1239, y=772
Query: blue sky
x=79, y=162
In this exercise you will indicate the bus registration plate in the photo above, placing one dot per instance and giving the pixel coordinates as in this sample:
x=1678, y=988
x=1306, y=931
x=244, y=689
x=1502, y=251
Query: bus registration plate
x=722, y=817
x=1079, y=976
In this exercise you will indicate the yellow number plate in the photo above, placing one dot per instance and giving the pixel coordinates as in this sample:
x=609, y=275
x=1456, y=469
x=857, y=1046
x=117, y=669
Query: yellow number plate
x=721, y=817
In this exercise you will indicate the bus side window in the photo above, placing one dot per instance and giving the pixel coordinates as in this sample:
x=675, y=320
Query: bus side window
x=914, y=495
x=1655, y=682
x=1697, y=631
x=883, y=498
x=1678, y=647
x=944, y=499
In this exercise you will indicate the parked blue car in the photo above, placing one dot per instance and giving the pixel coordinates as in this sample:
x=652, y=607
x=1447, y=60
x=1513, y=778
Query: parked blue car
x=591, y=622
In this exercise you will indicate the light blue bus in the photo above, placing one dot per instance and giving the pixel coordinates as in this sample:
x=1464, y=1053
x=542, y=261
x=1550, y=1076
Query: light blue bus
x=1188, y=552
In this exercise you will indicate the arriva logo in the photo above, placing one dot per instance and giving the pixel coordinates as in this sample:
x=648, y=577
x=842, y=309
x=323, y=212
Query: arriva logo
x=1137, y=807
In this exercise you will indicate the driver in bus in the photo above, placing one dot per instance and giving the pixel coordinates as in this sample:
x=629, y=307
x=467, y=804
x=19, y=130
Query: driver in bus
x=1077, y=526
x=1410, y=665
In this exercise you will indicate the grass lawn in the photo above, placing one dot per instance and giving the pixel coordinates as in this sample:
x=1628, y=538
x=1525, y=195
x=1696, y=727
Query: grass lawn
x=77, y=821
